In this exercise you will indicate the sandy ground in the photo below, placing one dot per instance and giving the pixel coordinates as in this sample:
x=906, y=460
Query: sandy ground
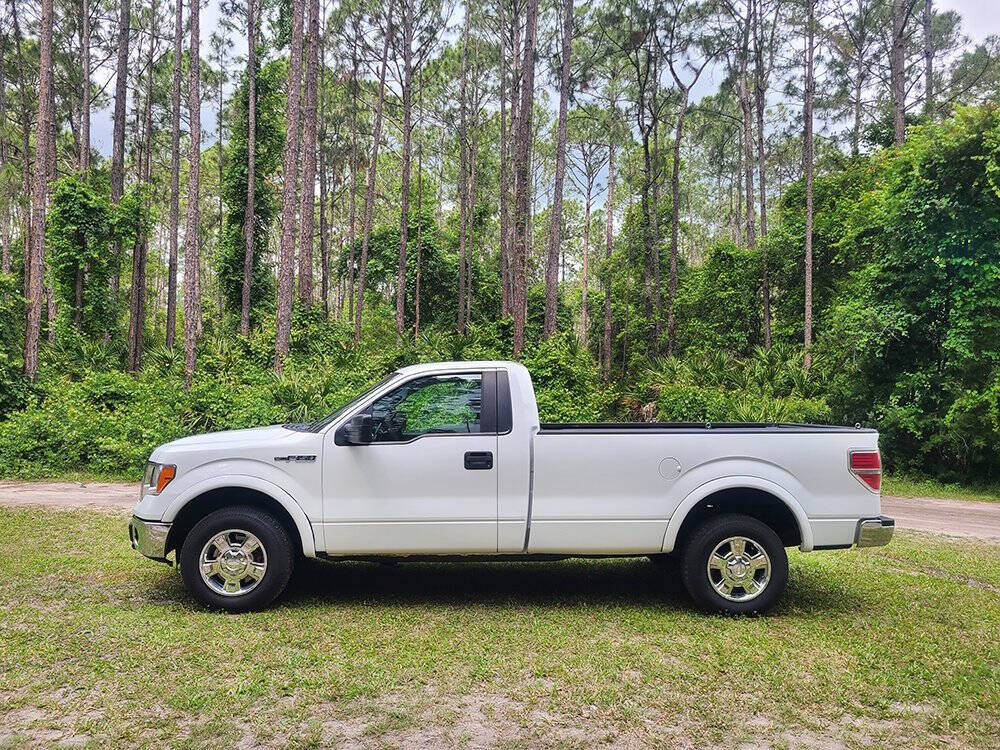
x=94, y=495
x=980, y=520
x=957, y=517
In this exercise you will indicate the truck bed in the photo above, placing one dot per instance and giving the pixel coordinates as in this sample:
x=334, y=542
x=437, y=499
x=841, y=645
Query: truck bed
x=699, y=427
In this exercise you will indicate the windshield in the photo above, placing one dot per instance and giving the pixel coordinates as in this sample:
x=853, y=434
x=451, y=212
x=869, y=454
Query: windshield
x=319, y=424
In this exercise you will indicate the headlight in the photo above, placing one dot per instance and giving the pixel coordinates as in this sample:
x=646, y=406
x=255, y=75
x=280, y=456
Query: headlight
x=158, y=476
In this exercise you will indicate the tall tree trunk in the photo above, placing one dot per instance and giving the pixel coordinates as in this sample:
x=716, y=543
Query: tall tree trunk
x=504, y=165
x=552, y=258
x=85, y=106
x=192, y=301
x=307, y=205
x=654, y=197
x=675, y=219
x=647, y=208
x=39, y=194
x=463, y=169
x=522, y=174
x=899, y=14
x=928, y=58
x=807, y=155
x=858, y=112
x=420, y=220
x=220, y=154
x=175, y=171
x=26, y=191
x=609, y=210
x=353, y=183
x=404, y=194
x=366, y=229
x=761, y=73
x=286, y=260
x=439, y=210
x=118, y=134
x=470, y=213
x=249, y=214
x=137, y=292
x=78, y=300
x=324, y=274
x=584, y=326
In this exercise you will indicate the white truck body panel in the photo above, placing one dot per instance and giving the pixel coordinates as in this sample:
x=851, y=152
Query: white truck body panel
x=586, y=489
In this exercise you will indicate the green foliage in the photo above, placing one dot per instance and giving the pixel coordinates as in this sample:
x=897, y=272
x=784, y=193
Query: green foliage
x=767, y=386
x=912, y=338
x=719, y=303
x=78, y=232
x=268, y=150
x=13, y=385
x=568, y=384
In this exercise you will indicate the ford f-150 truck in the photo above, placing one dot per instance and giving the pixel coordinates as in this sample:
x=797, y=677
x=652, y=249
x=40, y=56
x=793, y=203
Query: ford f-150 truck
x=449, y=461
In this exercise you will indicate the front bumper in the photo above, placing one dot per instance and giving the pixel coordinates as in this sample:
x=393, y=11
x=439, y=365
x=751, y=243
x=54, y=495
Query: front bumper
x=874, y=532
x=149, y=538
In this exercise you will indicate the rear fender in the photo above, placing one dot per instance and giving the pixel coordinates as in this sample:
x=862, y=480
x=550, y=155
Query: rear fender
x=737, y=482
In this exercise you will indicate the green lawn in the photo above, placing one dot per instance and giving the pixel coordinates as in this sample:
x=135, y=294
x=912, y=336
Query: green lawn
x=903, y=486
x=897, y=646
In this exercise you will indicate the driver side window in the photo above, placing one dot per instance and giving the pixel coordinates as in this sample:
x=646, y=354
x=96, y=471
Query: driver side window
x=435, y=404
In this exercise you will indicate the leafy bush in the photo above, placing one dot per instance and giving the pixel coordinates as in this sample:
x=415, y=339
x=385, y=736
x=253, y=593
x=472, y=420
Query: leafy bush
x=768, y=386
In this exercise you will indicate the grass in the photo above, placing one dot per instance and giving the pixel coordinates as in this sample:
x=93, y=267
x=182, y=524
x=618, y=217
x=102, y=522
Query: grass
x=892, y=646
x=906, y=486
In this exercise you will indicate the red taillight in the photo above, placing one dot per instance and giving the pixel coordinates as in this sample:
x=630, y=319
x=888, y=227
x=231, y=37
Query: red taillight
x=867, y=466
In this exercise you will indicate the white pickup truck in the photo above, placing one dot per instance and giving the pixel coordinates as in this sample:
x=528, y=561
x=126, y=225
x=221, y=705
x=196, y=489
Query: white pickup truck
x=449, y=461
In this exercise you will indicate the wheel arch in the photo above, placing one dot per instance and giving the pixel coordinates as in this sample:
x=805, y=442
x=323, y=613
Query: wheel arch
x=752, y=496
x=227, y=491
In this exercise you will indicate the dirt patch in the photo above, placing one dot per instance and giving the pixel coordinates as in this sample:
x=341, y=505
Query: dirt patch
x=107, y=496
x=955, y=517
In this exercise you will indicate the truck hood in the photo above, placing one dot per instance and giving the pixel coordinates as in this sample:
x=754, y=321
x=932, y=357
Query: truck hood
x=252, y=437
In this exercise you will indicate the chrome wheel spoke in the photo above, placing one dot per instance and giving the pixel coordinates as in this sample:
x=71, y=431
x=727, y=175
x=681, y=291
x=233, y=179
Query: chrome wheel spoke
x=256, y=570
x=221, y=543
x=751, y=586
x=757, y=562
x=250, y=545
x=232, y=586
x=738, y=546
x=209, y=568
x=717, y=562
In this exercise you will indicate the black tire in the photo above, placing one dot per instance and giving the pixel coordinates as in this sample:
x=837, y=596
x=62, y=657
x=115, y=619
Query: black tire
x=276, y=545
x=703, y=541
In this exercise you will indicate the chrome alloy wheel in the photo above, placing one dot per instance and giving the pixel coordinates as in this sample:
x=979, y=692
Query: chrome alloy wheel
x=739, y=569
x=233, y=562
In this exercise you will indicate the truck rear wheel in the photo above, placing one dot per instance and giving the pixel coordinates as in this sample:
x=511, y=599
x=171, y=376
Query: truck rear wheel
x=734, y=564
x=237, y=559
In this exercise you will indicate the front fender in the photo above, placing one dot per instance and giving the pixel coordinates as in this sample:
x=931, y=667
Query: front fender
x=246, y=481
x=737, y=482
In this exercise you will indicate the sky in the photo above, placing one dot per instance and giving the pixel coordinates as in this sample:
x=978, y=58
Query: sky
x=981, y=18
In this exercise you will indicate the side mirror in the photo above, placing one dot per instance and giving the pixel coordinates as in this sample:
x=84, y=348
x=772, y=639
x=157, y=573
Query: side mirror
x=358, y=431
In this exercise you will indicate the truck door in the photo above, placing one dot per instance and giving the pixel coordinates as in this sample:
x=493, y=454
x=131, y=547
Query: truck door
x=427, y=482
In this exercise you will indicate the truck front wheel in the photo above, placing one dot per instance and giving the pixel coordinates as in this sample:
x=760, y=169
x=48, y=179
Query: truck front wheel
x=734, y=564
x=237, y=559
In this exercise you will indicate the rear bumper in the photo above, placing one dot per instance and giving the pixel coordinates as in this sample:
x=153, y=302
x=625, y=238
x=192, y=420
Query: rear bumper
x=149, y=538
x=874, y=532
